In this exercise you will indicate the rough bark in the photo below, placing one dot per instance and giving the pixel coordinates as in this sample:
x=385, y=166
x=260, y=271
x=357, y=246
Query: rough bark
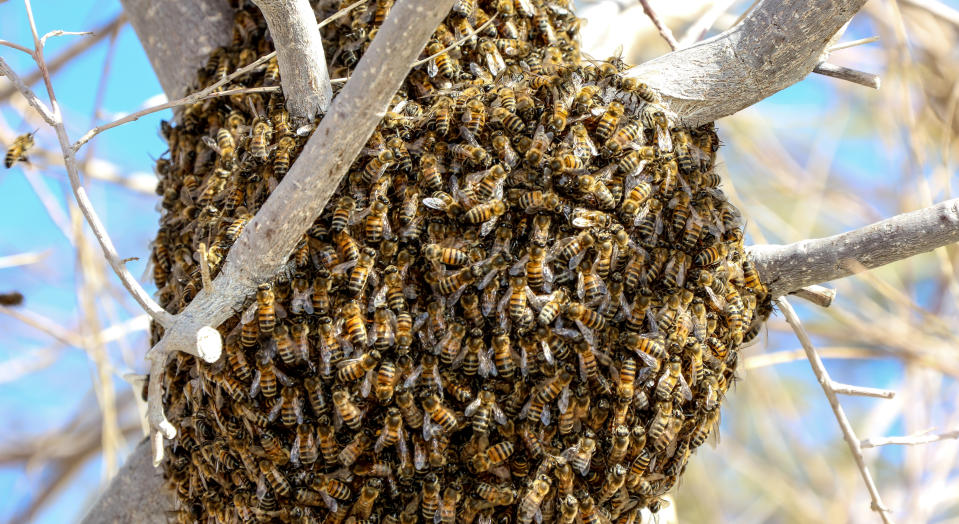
x=136, y=494
x=178, y=36
x=787, y=268
x=303, y=74
x=775, y=46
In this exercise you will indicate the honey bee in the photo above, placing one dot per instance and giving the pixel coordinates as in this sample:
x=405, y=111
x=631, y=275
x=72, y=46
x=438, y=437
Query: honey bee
x=430, y=497
x=260, y=138
x=537, y=274
x=392, y=430
x=474, y=116
x=671, y=379
x=624, y=136
x=357, y=368
x=482, y=410
x=276, y=480
x=346, y=409
x=553, y=306
x=609, y=121
x=710, y=255
x=370, y=491
x=377, y=165
x=327, y=441
x=440, y=64
x=412, y=415
x=493, y=456
x=537, y=151
x=446, y=255
x=530, y=505
x=265, y=308
x=355, y=449
x=509, y=121
x=441, y=415
x=470, y=153
x=504, y=150
x=315, y=396
x=355, y=324
x=404, y=332
x=502, y=354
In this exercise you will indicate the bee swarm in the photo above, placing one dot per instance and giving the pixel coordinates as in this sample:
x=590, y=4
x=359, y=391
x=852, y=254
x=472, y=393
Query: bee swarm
x=523, y=303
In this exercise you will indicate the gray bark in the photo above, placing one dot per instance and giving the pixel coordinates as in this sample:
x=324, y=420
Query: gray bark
x=136, y=494
x=178, y=36
x=775, y=46
x=299, y=49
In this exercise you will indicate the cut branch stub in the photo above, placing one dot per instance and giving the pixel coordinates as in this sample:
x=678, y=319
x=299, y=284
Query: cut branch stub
x=775, y=46
x=303, y=74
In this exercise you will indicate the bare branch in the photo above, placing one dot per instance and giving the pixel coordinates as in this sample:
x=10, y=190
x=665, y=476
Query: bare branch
x=136, y=494
x=786, y=268
x=54, y=64
x=853, y=43
x=775, y=46
x=54, y=118
x=819, y=295
x=199, y=27
x=303, y=73
x=664, y=31
x=860, y=391
x=32, y=99
x=910, y=440
x=827, y=386
x=849, y=75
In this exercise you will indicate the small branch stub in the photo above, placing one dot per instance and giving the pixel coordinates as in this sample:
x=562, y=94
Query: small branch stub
x=303, y=74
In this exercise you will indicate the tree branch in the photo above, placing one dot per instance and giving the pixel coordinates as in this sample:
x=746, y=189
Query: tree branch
x=179, y=36
x=775, y=46
x=136, y=494
x=265, y=244
x=303, y=74
x=785, y=269
x=829, y=388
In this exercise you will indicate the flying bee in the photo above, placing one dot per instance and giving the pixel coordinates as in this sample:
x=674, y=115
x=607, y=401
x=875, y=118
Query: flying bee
x=624, y=136
x=262, y=133
x=355, y=323
x=440, y=64
x=493, y=456
x=281, y=158
x=361, y=271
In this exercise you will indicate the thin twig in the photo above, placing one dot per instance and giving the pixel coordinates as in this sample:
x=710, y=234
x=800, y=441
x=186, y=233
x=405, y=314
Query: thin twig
x=32, y=98
x=54, y=117
x=786, y=268
x=819, y=295
x=210, y=91
x=853, y=43
x=23, y=259
x=454, y=45
x=664, y=31
x=60, y=32
x=44, y=324
x=67, y=56
x=827, y=386
x=18, y=47
x=860, y=391
x=847, y=74
x=303, y=72
x=910, y=440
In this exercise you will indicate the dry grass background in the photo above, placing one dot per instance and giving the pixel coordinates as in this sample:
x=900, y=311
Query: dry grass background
x=823, y=157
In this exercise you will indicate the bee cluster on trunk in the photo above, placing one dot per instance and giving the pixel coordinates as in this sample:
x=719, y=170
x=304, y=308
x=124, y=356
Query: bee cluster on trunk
x=524, y=303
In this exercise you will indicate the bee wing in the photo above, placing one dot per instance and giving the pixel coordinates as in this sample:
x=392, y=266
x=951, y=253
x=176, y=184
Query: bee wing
x=367, y=385
x=547, y=352
x=282, y=377
x=468, y=135
x=546, y=416
x=498, y=415
x=435, y=203
x=647, y=359
x=684, y=388
x=472, y=407
x=486, y=367
x=488, y=226
x=563, y=402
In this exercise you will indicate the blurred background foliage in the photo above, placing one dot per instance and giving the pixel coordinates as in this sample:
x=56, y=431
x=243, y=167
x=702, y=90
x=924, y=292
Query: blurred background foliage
x=819, y=158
